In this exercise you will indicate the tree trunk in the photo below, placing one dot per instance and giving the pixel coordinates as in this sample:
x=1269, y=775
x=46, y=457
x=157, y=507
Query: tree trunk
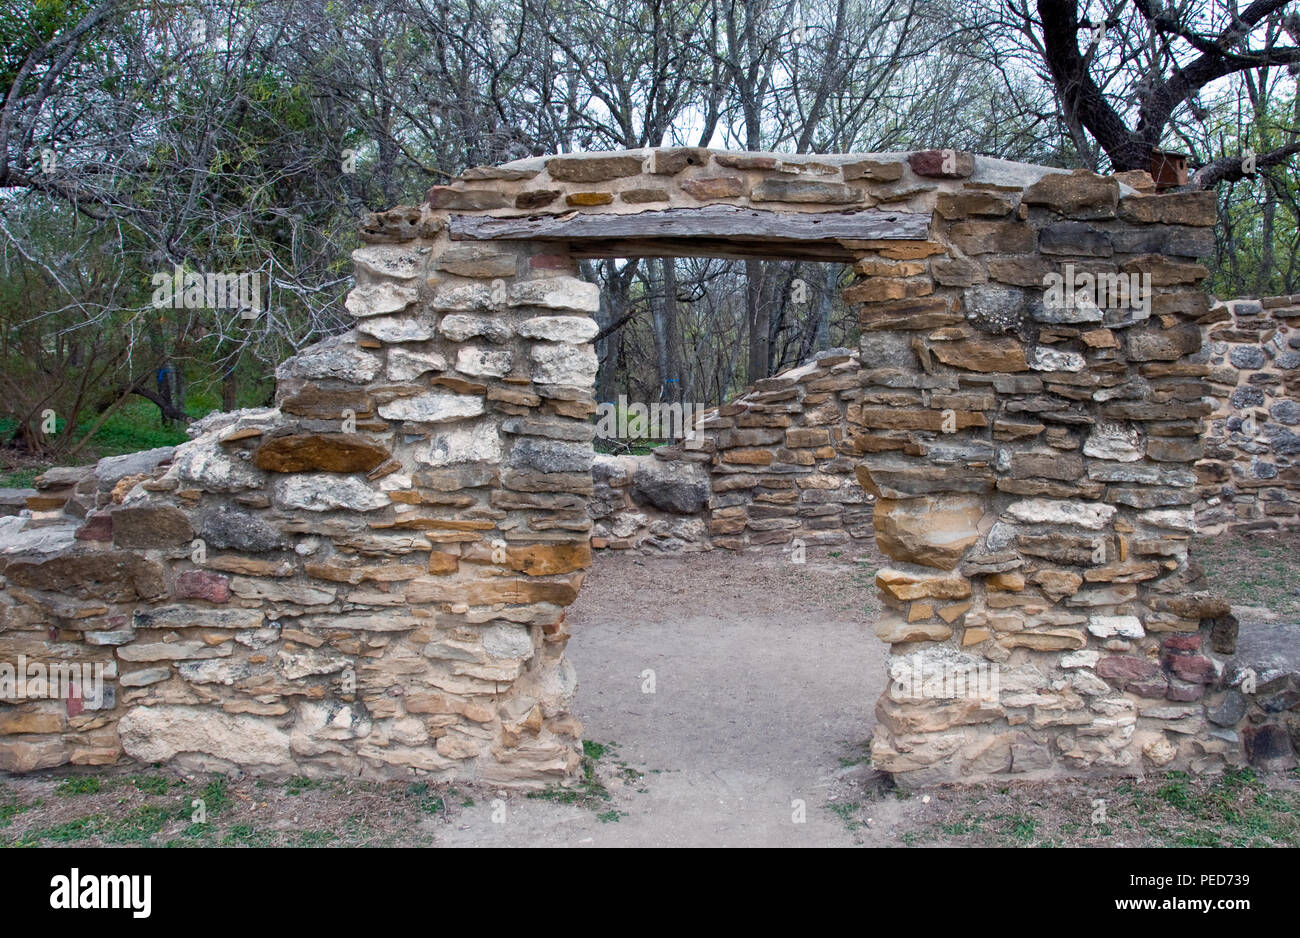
x=667, y=351
x=756, y=314
x=230, y=387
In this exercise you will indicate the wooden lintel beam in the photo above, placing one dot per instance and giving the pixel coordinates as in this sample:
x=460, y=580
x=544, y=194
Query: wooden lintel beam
x=733, y=248
x=717, y=223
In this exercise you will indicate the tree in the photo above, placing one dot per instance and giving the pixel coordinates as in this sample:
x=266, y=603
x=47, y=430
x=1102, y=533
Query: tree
x=1164, y=57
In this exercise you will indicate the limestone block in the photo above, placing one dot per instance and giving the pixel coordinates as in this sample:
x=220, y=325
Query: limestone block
x=159, y=733
x=378, y=299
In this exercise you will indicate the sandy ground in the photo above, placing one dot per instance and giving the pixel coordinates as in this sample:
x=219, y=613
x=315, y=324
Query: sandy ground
x=762, y=690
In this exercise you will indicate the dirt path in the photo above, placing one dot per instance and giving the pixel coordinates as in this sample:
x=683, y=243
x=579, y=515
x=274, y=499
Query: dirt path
x=763, y=693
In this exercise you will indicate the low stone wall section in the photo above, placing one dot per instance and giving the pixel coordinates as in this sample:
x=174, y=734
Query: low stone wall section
x=1248, y=477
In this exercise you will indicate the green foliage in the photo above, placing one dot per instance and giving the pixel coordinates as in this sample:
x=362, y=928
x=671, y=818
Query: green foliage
x=138, y=826
x=26, y=25
x=1259, y=215
x=67, y=832
x=215, y=798
x=245, y=835
x=79, y=785
x=150, y=784
x=9, y=806
x=301, y=783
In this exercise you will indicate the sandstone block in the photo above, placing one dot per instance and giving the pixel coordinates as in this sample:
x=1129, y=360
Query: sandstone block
x=931, y=531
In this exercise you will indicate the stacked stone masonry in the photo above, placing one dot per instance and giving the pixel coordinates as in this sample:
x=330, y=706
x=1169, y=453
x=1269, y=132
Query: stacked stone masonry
x=1249, y=477
x=774, y=466
x=371, y=577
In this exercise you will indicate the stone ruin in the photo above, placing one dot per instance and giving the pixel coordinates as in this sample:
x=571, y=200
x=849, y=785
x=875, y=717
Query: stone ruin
x=370, y=578
x=773, y=466
x=1248, y=477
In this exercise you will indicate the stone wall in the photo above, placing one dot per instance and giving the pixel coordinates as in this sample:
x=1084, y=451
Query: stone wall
x=773, y=465
x=371, y=576
x=1249, y=476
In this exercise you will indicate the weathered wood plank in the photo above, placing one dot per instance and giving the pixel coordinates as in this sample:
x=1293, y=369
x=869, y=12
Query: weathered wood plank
x=710, y=221
x=731, y=248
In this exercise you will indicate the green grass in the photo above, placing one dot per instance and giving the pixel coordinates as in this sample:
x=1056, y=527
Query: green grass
x=1022, y=828
x=590, y=792
x=134, y=426
x=300, y=783
x=1257, y=570
x=862, y=757
x=848, y=812
x=150, y=784
x=969, y=824
x=22, y=478
x=245, y=835
x=138, y=826
x=79, y=785
x=1233, y=809
x=66, y=833
x=215, y=798
x=9, y=806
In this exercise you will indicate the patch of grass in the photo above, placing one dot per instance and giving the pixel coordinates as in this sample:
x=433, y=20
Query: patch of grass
x=849, y=812
x=863, y=757
x=1232, y=809
x=134, y=426
x=79, y=785
x=969, y=824
x=300, y=783
x=590, y=792
x=1022, y=828
x=434, y=805
x=150, y=784
x=316, y=838
x=245, y=835
x=9, y=806
x=1176, y=792
x=139, y=826
x=66, y=833
x=605, y=817
x=215, y=797
x=1254, y=570
x=20, y=478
